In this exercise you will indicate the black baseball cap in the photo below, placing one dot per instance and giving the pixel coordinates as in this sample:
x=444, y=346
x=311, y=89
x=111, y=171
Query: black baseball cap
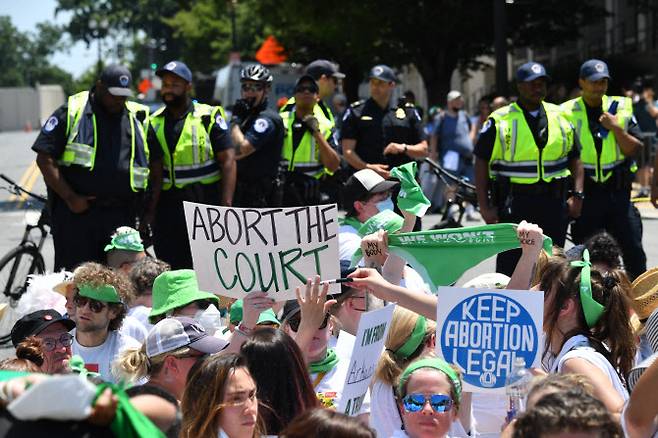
x=383, y=73
x=531, y=71
x=36, y=322
x=117, y=79
x=363, y=183
x=178, y=68
x=321, y=67
x=594, y=69
x=307, y=78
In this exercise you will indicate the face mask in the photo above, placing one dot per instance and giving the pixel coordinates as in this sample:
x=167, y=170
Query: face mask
x=210, y=319
x=386, y=204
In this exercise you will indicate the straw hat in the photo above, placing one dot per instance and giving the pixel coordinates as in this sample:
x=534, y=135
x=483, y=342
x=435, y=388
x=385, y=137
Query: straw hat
x=644, y=293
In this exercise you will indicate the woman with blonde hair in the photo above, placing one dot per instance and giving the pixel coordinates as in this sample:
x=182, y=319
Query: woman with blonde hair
x=220, y=400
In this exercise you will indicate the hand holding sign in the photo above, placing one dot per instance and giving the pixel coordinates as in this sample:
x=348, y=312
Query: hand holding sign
x=372, y=281
x=253, y=304
x=313, y=304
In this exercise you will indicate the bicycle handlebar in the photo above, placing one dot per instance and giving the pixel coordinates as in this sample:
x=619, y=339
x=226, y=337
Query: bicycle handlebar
x=20, y=189
x=455, y=179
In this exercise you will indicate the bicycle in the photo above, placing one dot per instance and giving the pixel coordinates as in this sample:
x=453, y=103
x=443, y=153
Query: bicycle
x=464, y=193
x=25, y=259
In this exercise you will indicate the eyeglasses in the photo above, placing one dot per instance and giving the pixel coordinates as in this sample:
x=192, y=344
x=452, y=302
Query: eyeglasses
x=94, y=305
x=303, y=88
x=252, y=87
x=239, y=399
x=65, y=340
x=294, y=321
x=416, y=402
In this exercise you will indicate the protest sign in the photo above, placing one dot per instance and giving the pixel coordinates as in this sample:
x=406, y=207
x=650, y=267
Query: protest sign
x=482, y=331
x=368, y=347
x=239, y=250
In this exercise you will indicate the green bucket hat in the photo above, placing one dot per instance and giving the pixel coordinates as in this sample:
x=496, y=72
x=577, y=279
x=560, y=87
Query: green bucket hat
x=105, y=293
x=175, y=289
x=267, y=316
x=127, y=239
x=384, y=220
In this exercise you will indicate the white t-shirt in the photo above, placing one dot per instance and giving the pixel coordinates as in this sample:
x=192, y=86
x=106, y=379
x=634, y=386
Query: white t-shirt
x=99, y=359
x=141, y=313
x=132, y=327
x=348, y=241
x=489, y=411
x=413, y=281
x=385, y=417
x=578, y=347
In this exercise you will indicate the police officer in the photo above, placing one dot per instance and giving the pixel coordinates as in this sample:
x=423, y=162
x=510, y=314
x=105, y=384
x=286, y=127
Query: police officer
x=327, y=75
x=94, y=159
x=609, y=137
x=193, y=160
x=257, y=134
x=528, y=150
x=377, y=134
x=309, y=149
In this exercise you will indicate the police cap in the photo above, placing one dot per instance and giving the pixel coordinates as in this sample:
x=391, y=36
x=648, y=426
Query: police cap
x=593, y=70
x=178, y=68
x=531, y=71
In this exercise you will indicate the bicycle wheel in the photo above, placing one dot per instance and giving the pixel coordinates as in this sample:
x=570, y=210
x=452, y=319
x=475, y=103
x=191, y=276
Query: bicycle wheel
x=15, y=267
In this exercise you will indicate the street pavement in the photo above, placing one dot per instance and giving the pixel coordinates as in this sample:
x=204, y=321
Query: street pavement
x=17, y=162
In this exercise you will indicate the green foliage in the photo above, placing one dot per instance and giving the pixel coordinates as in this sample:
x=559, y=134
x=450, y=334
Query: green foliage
x=24, y=56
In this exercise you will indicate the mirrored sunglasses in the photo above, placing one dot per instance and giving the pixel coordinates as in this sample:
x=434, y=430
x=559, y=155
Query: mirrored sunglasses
x=416, y=402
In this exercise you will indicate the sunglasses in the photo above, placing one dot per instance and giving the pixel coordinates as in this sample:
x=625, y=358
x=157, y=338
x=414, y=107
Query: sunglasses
x=416, y=402
x=65, y=340
x=95, y=306
x=304, y=88
x=252, y=87
x=293, y=322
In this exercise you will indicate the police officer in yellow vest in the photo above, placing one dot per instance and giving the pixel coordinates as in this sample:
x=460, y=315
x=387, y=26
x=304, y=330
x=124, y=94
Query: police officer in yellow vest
x=93, y=155
x=525, y=155
x=309, y=149
x=610, y=137
x=192, y=160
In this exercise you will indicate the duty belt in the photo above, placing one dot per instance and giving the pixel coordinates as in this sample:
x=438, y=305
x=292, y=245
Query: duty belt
x=557, y=188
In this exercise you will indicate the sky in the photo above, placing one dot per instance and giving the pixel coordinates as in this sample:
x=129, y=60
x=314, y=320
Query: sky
x=25, y=14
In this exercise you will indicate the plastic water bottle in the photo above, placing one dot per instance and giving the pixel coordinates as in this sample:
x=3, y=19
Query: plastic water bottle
x=517, y=385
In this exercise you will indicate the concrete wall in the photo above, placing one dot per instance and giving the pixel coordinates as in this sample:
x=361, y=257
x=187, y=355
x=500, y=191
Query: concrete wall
x=25, y=107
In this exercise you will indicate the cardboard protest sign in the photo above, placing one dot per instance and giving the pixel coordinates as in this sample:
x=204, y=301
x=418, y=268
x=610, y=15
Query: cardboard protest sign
x=369, y=344
x=482, y=331
x=239, y=250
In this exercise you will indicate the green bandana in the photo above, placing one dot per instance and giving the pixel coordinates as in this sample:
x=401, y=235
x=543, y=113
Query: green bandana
x=591, y=308
x=411, y=197
x=385, y=220
x=437, y=364
x=442, y=256
x=126, y=238
x=414, y=340
x=326, y=364
x=128, y=422
x=351, y=221
x=77, y=364
x=105, y=293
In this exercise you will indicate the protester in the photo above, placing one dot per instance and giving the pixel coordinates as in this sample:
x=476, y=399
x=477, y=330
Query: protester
x=586, y=321
x=267, y=317
x=575, y=413
x=220, y=400
x=556, y=383
x=125, y=249
x=176, y=293
x=648, y=342
x=159, y=406
x=429, y=396
x=100, y=308
x=350, y=305
x=326, y=423
x=284, y=387
x=173, y=345
x=142, y=275
x=640, y=416
x=644, y=301
x=53, y=331
x=29, y=357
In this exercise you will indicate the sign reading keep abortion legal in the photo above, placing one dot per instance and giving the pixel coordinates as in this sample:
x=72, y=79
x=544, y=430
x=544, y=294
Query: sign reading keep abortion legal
x=482, y=332
x=239, y=250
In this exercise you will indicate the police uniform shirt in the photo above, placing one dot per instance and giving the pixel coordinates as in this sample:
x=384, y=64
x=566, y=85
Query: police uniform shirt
x=290, y=105
x=593, y=115
x=110, y=176
x=538, y=125
x=299, y=128
x=220, y=138
x=264, y=132
x=374, y=128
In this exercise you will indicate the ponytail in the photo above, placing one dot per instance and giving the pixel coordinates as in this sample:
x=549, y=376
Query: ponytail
x=133, y=364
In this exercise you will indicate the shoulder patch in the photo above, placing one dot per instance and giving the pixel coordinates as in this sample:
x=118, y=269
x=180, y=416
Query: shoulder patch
x=261, y=125
x=357, y=103
x=486, y=126
x=50, y=124
x=219, y=120
x=347, y=113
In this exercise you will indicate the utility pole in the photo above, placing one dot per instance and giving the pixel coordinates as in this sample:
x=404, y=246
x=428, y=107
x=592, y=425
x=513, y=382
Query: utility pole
x=500, y=46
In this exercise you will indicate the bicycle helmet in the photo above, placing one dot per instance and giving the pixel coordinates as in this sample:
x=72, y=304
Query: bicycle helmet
x=257, y=73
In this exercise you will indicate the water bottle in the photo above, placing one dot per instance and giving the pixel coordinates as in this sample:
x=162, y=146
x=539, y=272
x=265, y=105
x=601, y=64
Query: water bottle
x=517, y=385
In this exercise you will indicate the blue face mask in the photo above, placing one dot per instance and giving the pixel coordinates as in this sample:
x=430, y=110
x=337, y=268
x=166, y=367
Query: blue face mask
x=386, y=204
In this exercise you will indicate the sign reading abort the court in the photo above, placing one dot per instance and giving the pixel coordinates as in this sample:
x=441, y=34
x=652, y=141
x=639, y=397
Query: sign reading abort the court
x=239, y=250
x=483, y=331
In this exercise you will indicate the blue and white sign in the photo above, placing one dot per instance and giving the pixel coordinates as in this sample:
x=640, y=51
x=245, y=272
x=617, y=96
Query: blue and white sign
x=482, y=331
